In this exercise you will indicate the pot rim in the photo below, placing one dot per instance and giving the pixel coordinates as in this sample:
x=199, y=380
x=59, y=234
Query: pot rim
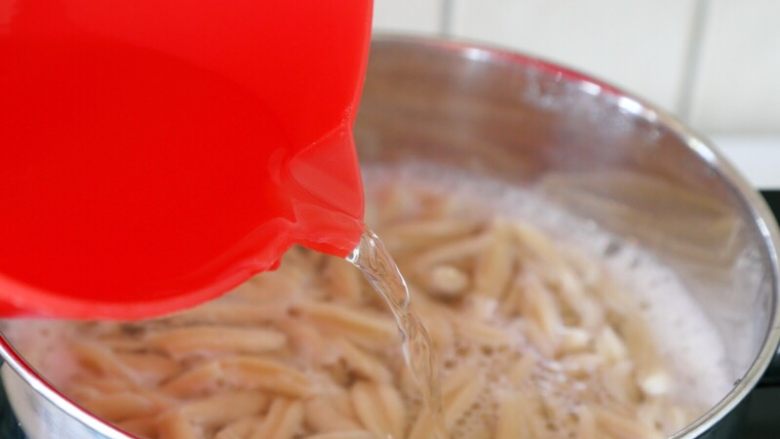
x=701, y=147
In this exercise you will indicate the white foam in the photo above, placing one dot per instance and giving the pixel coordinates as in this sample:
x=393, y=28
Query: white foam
x=44, y=345
x=686, y=337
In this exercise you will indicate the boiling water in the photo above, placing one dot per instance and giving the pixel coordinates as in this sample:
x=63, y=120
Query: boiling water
x=374, y=261
x=685, y=336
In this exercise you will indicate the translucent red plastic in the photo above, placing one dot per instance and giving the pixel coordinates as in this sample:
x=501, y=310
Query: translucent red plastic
x=156, y=153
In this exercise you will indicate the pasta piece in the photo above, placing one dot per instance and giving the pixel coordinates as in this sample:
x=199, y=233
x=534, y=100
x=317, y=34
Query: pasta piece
x=80, y=392
x=534, y=245
x=533, y=415
x=120, y=406
x=521, y=370
x=458, y=402
x=495, y=263
x=231, y=312
x=621, y=427
x=520, y=413
x=609, y=346
x=586, y=424
x=573, y=340
x=143, y=427
x=450, y=252
x=200, y=339
x=673, y=418
x=395, y=408
x=457, y=379
x=481, y=308
x=539, y=305
x=99, y=359
x=200, y=379
x=654, y=383
x=619, y=383
x=240, y=372
x=269, y=375
x=584, y=268
x=122, y=343
x=271, y=287
x=554, y=409
x=103, y=384
x=174, y=426
x=481, y=334
x=283, y=420
x=424, y=427
x=509, y=424
x=650, y=370
x=343, y=403
x=459, y=393
x=575, y=298
x=543, y=342
x=357, y=434
x=379, y=408
x=150, y=368
x=614, y=303
x=161, y=399
x=649, y=412
x=446, y=281
x=308, y=341
x=224, y=408
x=343, y=280
x=416, y=234
x=364, y=364
x=358, y=326
x=441, y=332
x=322, y=414
x=240, y=429
x=581, y=365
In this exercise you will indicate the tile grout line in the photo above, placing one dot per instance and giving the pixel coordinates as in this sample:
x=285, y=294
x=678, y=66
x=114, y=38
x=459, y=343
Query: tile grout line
x=445, y=22
x=692, y=57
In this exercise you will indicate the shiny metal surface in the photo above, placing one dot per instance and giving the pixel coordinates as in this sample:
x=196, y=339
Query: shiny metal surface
x=533, y=123
x=601, y=152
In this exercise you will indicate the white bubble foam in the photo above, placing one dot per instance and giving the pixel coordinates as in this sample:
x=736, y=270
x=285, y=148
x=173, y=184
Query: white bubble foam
x=44, y=346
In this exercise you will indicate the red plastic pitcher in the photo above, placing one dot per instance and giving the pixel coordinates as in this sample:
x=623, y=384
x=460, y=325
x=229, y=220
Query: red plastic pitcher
x=156, y=153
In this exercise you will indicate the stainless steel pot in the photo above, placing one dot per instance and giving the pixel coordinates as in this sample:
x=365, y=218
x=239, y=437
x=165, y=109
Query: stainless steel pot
x=603, y=152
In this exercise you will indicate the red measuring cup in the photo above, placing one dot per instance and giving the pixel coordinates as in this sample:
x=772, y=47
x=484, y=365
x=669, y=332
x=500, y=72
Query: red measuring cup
x=156, y=153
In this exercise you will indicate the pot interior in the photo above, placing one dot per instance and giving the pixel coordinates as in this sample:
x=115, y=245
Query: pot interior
x=603, y=154
x=606, y=156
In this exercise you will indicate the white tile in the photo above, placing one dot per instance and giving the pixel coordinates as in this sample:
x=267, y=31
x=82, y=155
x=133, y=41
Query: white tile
x=756, y=157
x=408, y=16
x=638, y=45
x=737, y=89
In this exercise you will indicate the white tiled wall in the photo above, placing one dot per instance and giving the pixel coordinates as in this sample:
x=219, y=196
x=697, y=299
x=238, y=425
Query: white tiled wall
x=715, y=63
x=737, y=83
x=618, y=41
x=409, y=16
